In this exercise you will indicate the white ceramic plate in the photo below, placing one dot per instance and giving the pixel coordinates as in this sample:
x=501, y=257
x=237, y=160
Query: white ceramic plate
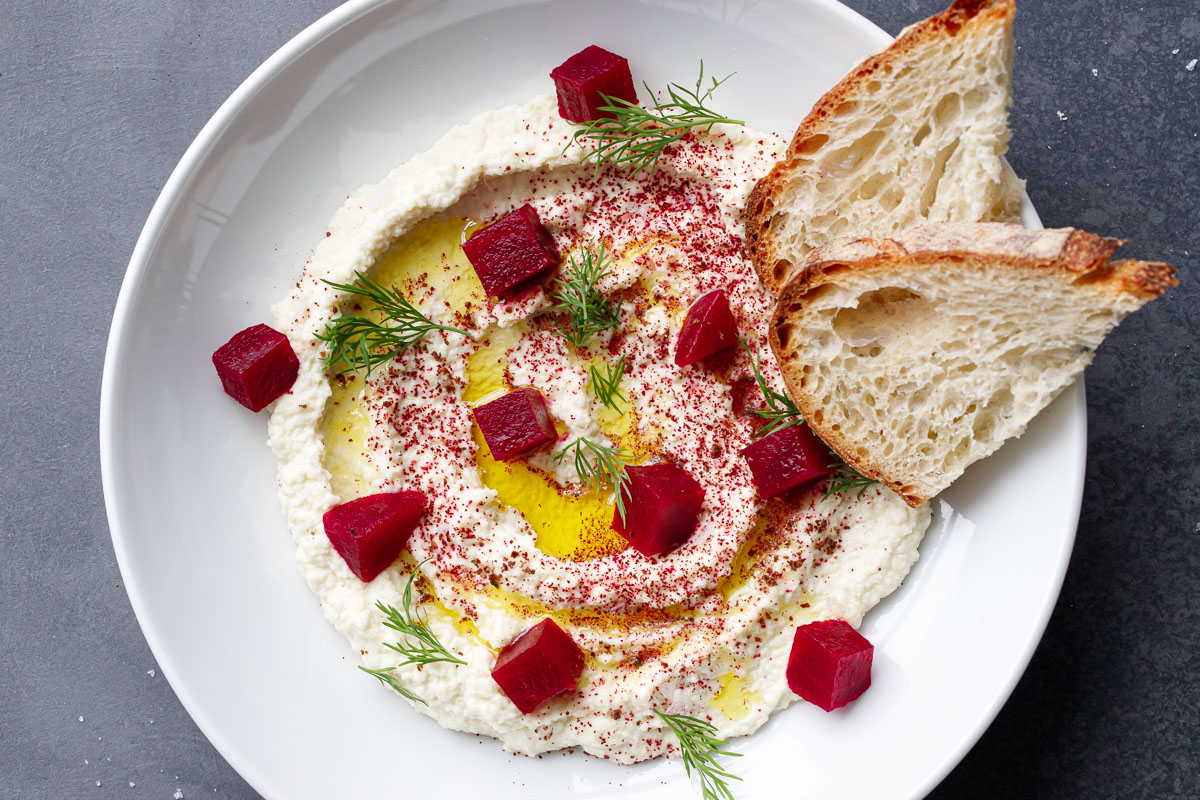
x=190, y=485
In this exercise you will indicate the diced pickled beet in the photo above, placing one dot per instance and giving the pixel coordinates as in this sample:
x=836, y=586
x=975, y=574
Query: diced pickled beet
x=516, y=424
x=582, y=78
x=787, y=458
x=542, y=662
x=662, y=504
x=369, y=533
x=708, y=328
x=256, y=366
x=511, y=251
x=830, y=664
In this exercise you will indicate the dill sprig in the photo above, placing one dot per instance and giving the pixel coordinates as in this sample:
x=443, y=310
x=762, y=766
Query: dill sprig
x=846, y=478
x=389, y=680
x=608, y=470
x=699, y=746
x=606, y=383
x=419, y=645
x=361, y=343
x=588, y=312
x=635, y=137
x=781, y=410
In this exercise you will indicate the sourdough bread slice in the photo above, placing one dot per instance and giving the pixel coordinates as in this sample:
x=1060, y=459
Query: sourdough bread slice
x=915, y=356
x=915, y=133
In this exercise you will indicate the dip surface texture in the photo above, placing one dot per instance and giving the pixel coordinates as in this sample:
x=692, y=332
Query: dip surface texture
x=704, y=630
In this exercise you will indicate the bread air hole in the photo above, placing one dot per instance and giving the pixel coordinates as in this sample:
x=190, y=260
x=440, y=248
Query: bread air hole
x=974, y=99
x=811, y=144
x=881, y=316
x=846, y=108
x=844, y=161
x=947, y=109
x=935, y=177
x=872, y=185
x=872, y=350
x=893, y=197
x=999, y=406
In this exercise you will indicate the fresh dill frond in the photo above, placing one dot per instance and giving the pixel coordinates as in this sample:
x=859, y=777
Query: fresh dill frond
x=588, y=312
x=421, y=646
x=635, y=137
x=606, y=383
x=608, y=470
x=389, y=680
x=846, y=479
x=699, y=746
x=781, y=410
x=418, y=645
x=359, y=343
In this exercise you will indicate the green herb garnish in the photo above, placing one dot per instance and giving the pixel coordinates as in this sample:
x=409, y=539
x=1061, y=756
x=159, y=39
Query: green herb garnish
x=781, y=410
x=846, y=478
x=608, y=470
x=389, y=680
x=637, y=136
x=588, y=312
x=359, y=343
x=419, y=646
x=606, y=383
x=699, y=746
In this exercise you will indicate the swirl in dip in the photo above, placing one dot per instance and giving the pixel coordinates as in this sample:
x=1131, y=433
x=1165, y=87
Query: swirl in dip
x=704, y=630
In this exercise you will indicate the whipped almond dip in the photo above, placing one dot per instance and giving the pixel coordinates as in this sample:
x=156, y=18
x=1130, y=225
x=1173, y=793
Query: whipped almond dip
x=704, y=630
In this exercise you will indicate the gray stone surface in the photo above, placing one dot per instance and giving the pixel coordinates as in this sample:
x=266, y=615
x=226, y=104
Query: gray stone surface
x=99, y=99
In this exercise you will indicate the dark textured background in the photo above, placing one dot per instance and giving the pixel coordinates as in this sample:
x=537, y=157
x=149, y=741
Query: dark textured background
x=98, y=100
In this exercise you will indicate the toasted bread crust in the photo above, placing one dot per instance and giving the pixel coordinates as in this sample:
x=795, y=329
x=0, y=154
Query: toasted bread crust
x=1080, y=259
x=774, y=266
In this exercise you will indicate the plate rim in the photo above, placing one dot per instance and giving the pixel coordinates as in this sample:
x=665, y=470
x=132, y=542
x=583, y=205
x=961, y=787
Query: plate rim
x=135, y=274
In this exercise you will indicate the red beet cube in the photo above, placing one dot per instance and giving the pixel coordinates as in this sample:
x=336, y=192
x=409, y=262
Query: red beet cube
x=511, y=251
x=582, y=78
x=370, y=532
x=786, y=459
x=256, y=366
x=662, y=504
x=830, y=664
x=516, y=424
x=708, y=328
x=542, y=662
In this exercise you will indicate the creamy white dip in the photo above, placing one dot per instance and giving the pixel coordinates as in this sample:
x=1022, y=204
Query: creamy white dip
x=704, y=630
